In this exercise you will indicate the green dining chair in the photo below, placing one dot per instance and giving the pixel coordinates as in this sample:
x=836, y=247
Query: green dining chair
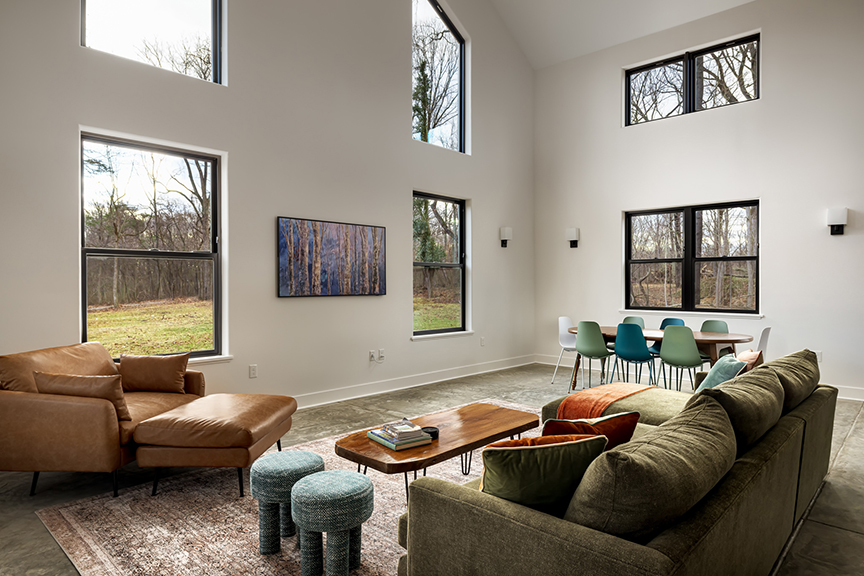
x=720, y=327
x=628, y=320
x=678, y=350
x=630, y=347
x=591, y=345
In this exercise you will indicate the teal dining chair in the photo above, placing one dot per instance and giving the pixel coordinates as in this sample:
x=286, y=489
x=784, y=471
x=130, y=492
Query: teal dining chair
x=678, y=350
x=591, y=345
x=720, y=327
x=628, y=320
x=630, y=347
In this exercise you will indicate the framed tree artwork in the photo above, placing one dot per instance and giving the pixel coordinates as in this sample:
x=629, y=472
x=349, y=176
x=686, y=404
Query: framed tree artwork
x=318, y=258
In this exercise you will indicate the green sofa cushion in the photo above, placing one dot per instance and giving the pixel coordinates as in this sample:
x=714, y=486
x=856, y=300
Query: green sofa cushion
x=798, y=374
x=753, y=401
x=542, y=476
x=640, y=487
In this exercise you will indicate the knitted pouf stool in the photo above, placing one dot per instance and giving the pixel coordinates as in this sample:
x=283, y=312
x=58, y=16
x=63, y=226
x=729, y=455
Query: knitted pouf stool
x=272, y=477
x=336, y=502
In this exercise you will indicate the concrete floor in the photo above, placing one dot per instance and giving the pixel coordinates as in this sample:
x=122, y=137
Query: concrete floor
x=830, y=541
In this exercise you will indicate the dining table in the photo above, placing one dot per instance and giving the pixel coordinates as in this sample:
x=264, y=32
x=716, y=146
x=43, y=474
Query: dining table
x=711, y=343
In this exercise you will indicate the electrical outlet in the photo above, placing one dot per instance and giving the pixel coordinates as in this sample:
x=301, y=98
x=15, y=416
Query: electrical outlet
x=818, y=355
x=372, y=356
x=482, y=340
x=380, y=354
x=253, y=370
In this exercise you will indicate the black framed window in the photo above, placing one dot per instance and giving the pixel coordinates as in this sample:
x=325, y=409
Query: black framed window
x=184, y=36
x=149, y=248
x=710, y=78
x=695, y=258
x=439, y=264
x=438, y=56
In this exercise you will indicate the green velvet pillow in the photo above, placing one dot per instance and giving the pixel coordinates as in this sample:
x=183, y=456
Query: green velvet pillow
x=641, y=487
x=754, y=402
x=540, y=473
x=798, y=374
x=725, y=369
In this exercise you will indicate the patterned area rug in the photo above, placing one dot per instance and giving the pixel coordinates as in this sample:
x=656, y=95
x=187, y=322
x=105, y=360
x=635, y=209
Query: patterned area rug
x=198, y=524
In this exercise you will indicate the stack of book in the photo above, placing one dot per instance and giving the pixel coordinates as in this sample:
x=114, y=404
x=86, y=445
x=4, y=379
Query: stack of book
x=400, y=435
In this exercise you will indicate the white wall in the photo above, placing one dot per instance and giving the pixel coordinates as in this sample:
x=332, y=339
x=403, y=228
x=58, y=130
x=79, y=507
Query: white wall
x=798, y=149
x=315, y=121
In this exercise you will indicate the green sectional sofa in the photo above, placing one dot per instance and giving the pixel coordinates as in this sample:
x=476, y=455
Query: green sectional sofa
x=739, y=527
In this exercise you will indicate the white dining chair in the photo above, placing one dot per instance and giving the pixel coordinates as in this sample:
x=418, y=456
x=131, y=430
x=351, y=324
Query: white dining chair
x=763, y=342
x=565, y=339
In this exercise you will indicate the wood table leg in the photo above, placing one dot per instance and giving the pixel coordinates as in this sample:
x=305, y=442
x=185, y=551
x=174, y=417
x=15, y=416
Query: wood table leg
x=575, y=370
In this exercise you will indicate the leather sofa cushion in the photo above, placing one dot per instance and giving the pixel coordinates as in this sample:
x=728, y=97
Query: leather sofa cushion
x=639, y=488
x=144, y=405
x=753, y=401
x=87, y=359
x=217, y=421
x=798, y=374
x=154, y=373
x=107, y=387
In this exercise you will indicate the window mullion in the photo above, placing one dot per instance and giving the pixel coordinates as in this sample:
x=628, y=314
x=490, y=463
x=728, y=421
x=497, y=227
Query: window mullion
x=688, y=267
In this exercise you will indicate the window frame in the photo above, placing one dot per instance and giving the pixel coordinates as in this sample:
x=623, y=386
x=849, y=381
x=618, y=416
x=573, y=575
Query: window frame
x=689, y=261
x=461, y=264
x=689, y=77
x=216, y=16
x=462, y=73
x=213, y=255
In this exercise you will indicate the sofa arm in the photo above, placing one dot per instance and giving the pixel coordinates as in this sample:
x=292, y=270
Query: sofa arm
x=550, y=410
x=456, y=530
x=42, y=432
x=193, y=382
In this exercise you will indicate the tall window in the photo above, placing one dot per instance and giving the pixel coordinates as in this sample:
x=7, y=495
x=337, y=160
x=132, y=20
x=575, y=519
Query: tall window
x=439, y=77
x=710, y=78
x=439, y=264
x=150, y=258
x=179, y=35
x=694, y=258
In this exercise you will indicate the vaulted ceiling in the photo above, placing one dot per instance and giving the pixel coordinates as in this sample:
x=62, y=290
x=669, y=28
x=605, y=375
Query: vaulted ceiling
x=553, y=31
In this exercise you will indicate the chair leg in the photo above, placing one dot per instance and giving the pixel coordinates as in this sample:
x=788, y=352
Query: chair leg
x=556, y=365
x=240, y=480
x=156, y=481
x=279, y=444
x=115, y=480
x=615, y=367
x=33, y=483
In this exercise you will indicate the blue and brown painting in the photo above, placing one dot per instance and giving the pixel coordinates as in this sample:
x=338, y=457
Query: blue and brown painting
x=329, y=258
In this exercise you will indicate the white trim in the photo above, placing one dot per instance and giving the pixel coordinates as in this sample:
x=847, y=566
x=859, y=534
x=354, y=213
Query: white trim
x=204, y=360
x=848, y=392
x=381, y=386
x=694, y=314
x=422, y=337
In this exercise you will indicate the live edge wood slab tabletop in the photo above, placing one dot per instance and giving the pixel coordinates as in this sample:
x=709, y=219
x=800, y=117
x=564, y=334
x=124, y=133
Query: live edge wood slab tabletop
x=461, y=430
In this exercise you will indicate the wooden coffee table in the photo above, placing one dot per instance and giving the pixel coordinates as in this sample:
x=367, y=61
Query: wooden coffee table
x=461, y=430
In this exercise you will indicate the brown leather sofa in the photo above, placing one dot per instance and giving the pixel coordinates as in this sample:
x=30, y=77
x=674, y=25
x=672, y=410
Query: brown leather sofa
x=50, y=432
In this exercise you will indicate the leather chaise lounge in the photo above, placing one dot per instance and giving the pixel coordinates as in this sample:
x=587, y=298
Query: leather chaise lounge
x=77, y=433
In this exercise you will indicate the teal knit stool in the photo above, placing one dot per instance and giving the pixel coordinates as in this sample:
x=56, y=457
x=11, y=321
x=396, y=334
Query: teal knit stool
x=272, y=476
x=336, y=502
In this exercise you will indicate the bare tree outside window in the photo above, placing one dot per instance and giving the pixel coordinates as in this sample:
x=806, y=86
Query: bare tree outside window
x=726, y=76
x=437, y=57
x=657, y=93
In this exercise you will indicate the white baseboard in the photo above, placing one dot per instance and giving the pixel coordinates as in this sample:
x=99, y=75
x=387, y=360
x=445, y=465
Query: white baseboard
x=393, y=384
x=848, y=392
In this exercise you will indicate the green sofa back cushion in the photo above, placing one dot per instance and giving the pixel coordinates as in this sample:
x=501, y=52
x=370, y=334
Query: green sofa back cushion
x=540, y=473
x=640, y=487
x=798, y=374
x=753, y=401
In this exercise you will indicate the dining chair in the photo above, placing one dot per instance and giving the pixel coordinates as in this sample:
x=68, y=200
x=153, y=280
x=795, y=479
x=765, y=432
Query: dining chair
x=763, y=342
x=627, y=320
x=591, y=345
x=630, y=347
x=678, y=350
x=565, y=339
x=655, y=347
x=720, y=327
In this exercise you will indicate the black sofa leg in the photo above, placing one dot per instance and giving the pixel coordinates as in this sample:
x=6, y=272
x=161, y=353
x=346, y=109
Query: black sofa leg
x=279, y=444
x=240, y=479
x=155, y=481
x=115, y=480
x=33, y=483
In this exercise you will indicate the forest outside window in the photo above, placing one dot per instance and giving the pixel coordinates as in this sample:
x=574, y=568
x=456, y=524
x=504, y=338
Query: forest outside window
x=695, y=258
x=150, y=258
x=438, y=55
x=439, y=264
x=710, y=78
x=179, y=35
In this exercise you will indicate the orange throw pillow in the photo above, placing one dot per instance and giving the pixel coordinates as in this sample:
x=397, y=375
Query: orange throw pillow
x=753, y=359
x=618, y=428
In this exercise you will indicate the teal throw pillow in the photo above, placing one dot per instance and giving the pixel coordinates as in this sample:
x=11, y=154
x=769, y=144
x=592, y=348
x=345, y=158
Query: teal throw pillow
x=725, y=369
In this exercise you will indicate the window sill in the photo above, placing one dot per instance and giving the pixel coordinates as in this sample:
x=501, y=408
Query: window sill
x=673, y=313
x=423, y=337
x=224, y=359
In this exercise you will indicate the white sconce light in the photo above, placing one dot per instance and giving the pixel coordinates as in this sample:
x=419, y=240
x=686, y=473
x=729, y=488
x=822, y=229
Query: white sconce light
x=837, y=218
x=572, y=235
x=506, y=233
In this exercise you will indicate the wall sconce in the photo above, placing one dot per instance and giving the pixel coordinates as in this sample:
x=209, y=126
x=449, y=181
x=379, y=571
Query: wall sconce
x=572, y=235
x=837, y=220
x=506, y=233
